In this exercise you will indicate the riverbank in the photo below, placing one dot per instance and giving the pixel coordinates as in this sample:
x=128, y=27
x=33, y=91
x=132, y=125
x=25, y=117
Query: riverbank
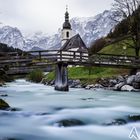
x=99, y=78
x=4, y=77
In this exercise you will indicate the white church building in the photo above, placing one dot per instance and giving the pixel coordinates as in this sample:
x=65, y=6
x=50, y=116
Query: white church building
x=70, y=42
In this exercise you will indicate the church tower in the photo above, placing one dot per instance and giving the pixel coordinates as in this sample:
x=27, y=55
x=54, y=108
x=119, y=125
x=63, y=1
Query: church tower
x=66, y=30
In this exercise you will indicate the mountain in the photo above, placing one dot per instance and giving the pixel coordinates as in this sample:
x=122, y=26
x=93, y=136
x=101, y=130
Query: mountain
x=12, y=37
x=93, y=28
x=90, y=29
x=40, y=41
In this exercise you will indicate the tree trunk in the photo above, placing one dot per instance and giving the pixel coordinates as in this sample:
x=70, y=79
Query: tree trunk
x=137, y=52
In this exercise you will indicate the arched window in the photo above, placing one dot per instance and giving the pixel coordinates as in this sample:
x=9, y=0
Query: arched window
x=67, y=34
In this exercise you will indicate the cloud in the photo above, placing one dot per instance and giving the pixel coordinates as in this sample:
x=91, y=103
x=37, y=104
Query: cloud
x=46, y=15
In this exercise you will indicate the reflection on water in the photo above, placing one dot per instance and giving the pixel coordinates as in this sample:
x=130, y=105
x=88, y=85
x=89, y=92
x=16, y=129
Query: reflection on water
x=88, y=114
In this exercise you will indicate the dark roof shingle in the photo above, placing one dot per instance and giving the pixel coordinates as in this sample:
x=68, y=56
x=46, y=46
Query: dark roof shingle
x=75, y=42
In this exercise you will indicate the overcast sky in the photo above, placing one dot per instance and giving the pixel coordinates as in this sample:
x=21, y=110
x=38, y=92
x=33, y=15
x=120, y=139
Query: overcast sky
x=46, y=15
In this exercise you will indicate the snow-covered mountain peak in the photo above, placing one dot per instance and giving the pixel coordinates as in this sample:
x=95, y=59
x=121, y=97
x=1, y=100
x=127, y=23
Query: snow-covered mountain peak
x=12, y=37
x=90, y=29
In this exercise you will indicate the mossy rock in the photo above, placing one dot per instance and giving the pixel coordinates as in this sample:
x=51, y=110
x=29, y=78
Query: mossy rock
x=3, y=105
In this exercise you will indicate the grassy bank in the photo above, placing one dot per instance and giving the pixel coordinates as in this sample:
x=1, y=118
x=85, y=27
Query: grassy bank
x=90, y=75
x=35, y=76
x=118, y=48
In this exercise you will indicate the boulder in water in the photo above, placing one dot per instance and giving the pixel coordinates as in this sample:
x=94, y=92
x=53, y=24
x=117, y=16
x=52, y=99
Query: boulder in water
x=3, y=105
x=120, y=79
x=127, y=88
x=136, y=85
x=137, y=77
x=131, y=79
x=3, y=95
x=70, y=123
x=119, y=86
x=134, y=118
x=116, y=122
x=98, y=86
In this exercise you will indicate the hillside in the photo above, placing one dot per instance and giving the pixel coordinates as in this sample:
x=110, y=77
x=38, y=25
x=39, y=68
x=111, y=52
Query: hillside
x=123, y=40
x=6, y=48
x=119, y=48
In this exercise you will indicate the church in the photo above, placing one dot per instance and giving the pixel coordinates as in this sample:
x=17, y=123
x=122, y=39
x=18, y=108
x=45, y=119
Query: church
x=69, y=44
x=68, y=41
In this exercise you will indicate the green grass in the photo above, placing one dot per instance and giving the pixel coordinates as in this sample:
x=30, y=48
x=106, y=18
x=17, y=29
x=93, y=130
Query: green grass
x=35, y=76
x=85, y=76
x=117, y=48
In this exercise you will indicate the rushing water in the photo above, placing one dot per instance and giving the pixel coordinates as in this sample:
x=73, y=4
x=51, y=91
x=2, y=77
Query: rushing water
x=42, y=108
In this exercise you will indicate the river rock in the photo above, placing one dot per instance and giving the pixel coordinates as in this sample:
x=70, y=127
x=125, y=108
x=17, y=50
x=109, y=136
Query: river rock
x=127, y=88
x=70, y=82
x=70, y=123
x=75, y=83
x=112, y=82
x=134, y=118
x=137, y=77
x=78, y=86
x=116, y=122
x=120, y=79
x=119, y=86
x=98, y=86
x=52, y=82
x=131, y=79
x=4, y=95
x=136, y=85
x=3, y=105
x=44, y=81
x=89, y=86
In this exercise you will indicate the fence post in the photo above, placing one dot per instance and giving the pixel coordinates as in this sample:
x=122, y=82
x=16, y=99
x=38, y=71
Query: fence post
x=39, y=55
x=60, y=55
x=80, y=56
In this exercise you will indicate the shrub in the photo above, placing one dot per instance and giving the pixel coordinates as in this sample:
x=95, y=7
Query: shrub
x=36, y=76
x=97, y=46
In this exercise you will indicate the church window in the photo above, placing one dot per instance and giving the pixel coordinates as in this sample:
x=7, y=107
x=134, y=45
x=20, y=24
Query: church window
x=67, y=34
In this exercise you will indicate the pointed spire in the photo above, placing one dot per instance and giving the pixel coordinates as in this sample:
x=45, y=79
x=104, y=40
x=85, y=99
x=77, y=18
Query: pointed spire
x=66, y=24
x=67, y=14
x=66, y=8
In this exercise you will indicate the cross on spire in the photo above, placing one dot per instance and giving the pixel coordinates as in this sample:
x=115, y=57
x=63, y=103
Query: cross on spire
x=66, y=8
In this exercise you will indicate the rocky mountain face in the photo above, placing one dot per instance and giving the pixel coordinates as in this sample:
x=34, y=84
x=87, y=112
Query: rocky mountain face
x=93, y=28
x=12, y=37
x=90, y=29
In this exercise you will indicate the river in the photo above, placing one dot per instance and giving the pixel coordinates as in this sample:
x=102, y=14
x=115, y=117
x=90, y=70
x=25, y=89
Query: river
x=42, y=108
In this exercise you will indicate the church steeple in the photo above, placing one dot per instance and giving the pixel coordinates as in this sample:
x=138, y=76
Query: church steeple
x=67, y=24
x=66, y=30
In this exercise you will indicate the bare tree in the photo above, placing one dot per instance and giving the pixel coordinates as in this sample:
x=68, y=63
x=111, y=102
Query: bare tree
x=130, y=10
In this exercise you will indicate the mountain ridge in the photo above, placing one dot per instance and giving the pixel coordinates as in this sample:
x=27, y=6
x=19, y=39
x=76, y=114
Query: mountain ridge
x=90, y=29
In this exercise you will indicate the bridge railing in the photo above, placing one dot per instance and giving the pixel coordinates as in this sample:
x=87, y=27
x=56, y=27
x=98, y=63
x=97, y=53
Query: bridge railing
x=45, y=57
x=114, y=60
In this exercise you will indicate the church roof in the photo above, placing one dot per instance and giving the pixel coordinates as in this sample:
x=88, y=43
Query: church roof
x=66, y=25
x=75, y=42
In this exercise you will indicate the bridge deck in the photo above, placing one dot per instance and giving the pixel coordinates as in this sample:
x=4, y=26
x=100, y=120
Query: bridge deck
x=27, y=61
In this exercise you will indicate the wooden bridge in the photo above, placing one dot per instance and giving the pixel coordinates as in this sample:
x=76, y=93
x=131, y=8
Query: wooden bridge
x=23, y=63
